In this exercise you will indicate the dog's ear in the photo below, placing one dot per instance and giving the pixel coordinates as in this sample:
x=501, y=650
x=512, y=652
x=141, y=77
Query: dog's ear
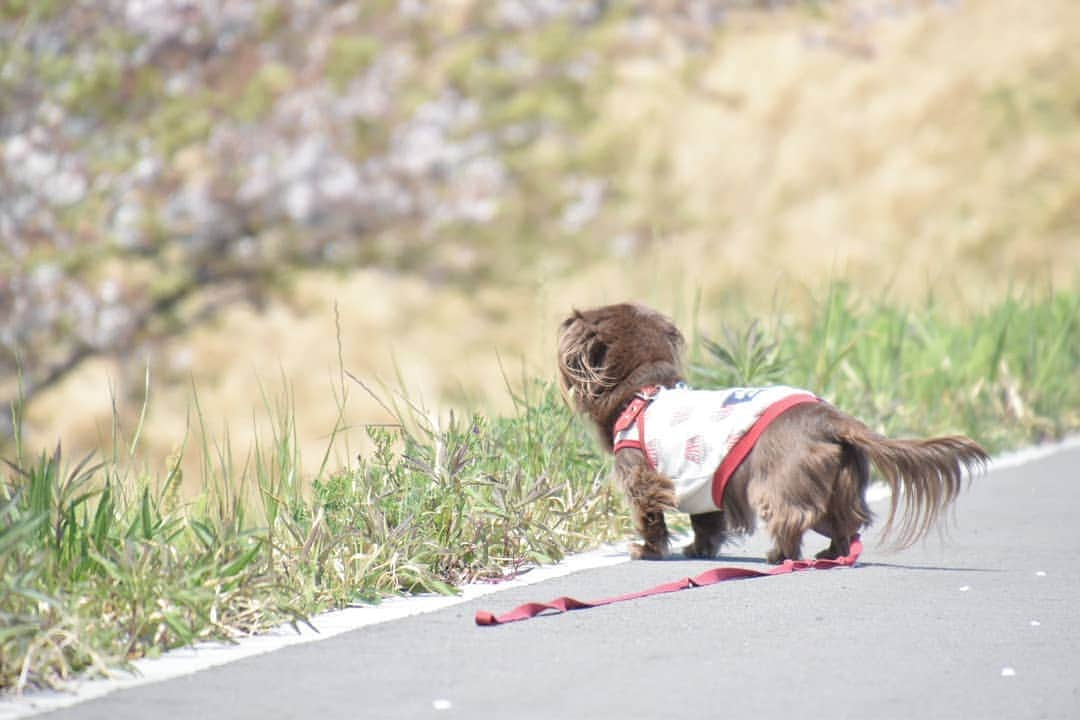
x=586, y=356
x=574, y=317
x=678, y=342
x=583, y=356
x=597, y=353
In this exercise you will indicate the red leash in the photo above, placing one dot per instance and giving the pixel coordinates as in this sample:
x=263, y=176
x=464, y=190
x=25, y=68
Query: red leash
x=709, y=577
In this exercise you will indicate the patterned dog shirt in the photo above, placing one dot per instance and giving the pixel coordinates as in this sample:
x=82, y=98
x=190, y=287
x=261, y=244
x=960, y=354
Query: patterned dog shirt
x=697, y=438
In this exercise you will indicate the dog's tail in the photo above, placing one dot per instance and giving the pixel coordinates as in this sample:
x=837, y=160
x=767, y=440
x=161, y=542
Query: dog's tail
x=925, y=475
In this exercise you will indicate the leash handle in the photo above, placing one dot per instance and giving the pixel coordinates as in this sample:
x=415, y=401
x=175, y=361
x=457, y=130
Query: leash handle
x=709, y=577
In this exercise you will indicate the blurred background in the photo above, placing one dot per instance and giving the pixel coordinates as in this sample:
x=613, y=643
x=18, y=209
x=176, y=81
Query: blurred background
x=242, y=198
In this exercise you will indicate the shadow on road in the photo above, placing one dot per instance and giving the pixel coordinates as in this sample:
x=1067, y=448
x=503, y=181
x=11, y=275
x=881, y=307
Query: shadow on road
x=758, y=560
x=900, y=566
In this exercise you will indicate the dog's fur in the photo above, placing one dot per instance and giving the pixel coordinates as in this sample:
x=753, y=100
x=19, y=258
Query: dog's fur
x=808, y=470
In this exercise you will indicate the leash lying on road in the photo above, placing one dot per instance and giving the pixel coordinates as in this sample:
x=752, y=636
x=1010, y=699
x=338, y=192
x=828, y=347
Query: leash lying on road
x=709, y=577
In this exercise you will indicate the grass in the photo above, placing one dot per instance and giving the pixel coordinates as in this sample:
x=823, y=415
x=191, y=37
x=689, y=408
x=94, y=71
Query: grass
x=104, y=566
x=102, y=563
x=1006, y=376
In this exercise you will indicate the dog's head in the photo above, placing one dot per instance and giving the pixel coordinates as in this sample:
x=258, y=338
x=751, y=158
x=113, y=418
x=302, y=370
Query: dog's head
x=608, y=353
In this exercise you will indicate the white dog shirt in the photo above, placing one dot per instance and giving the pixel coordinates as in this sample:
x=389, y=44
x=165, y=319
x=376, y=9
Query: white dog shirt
x=697, y=438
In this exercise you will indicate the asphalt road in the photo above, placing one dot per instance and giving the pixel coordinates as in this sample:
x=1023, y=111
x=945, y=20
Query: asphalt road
x=985, y=624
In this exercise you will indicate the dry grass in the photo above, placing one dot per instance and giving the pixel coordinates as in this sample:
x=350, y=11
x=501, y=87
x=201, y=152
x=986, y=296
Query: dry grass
x=933, y=147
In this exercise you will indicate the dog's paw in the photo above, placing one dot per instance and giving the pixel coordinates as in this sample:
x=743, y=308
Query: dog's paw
x=698, y=551
x=775, y=556
x=829, y=553
x=836, y=549
x=645, y=552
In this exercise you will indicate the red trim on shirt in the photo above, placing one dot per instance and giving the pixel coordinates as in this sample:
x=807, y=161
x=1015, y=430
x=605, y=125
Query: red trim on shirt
x=745, y=444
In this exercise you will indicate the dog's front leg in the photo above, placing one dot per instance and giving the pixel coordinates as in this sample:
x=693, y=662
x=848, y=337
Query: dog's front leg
x=649, y=494
x=653, y=530
x=709, y=535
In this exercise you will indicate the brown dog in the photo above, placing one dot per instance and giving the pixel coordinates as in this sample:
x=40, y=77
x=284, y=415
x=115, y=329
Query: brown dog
x=728, y=456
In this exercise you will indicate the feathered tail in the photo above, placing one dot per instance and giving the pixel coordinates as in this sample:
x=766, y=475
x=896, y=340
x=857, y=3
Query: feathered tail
x=924, y=475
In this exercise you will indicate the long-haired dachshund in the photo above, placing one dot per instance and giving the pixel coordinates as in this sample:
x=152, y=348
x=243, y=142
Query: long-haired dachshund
x=729, y=456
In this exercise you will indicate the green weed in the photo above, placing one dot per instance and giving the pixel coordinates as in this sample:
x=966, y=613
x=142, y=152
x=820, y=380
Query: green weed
x=1007, y=376
x=104, y=566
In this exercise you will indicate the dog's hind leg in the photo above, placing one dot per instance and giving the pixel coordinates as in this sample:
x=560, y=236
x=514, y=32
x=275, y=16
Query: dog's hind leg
x=787, y=532
x=709, y=535
x=791, y=488
x=840, y=544
x=847, y=512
